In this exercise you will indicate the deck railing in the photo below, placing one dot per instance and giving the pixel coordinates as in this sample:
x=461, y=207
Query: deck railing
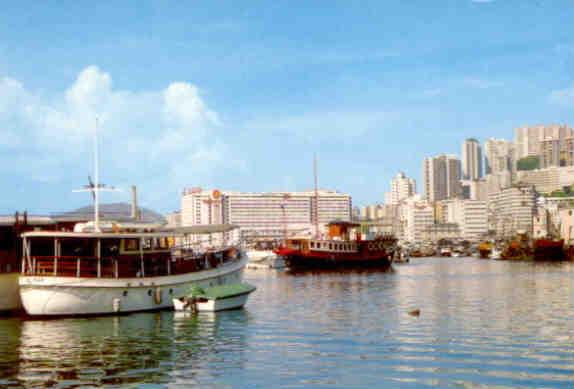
x=184, y=261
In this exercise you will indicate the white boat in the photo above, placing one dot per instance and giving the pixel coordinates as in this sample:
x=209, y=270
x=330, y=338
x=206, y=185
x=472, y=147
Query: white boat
x=495, y=253
x=218, y=298
x=89, y=273
x=264, y=259
x=256, y=256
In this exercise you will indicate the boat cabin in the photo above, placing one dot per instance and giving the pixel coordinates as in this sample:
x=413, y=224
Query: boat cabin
x=340, y=230
x=117, y=254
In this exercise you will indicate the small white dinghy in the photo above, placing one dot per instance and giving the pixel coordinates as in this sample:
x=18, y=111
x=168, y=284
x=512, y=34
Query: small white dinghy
x=215, y=298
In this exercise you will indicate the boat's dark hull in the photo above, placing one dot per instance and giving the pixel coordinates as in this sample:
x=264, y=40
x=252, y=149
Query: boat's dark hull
x=294, y=261
x=549, y=250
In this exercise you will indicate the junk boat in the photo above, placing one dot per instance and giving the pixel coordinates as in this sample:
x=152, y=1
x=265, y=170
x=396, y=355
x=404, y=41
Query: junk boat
x=338, y=249
x=215, y=298
x=118, y=271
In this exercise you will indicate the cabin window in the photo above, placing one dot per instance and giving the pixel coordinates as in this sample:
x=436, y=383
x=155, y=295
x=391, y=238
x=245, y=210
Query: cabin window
x=312, y=245
x=147, y=244
x=330, y=246
x=132, y=244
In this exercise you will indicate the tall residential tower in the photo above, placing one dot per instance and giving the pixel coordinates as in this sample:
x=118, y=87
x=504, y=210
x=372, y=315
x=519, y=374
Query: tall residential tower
x=471, y=159
x=402, y=187
x=441, y=176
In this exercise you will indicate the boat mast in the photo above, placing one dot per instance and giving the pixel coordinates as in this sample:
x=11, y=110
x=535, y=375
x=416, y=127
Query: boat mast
x=316, y=197
x=96, y=182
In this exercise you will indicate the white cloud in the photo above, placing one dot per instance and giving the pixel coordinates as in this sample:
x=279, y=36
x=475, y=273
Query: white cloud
x=562, y=97
x=169, y=138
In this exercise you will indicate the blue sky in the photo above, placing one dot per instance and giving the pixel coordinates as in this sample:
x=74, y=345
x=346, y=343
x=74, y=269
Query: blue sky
x=239, y=95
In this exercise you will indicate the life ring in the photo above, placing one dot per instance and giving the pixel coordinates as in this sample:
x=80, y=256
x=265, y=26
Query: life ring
x=157, y=296
x=381, y=246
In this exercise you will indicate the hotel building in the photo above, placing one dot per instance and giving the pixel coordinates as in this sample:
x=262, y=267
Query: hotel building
x=265, y=215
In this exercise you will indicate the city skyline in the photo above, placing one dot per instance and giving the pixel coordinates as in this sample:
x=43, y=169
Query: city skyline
x=238, y=98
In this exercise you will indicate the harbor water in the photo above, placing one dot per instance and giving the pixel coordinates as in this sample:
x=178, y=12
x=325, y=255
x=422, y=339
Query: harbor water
x=481, y=322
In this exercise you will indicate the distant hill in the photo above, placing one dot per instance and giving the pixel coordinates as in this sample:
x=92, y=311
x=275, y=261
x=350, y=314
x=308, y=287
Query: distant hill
x=113, y=211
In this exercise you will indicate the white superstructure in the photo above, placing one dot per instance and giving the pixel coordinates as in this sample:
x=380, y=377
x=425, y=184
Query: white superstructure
x=264, y=214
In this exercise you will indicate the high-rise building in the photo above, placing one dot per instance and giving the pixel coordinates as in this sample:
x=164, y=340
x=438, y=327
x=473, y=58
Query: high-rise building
x=470, y=215
x=264, y=215
x=402, y=187
x=418, y=216
x=549, y=179
x=512, y=210
x=471, y=159
x=499, y=155
x=441, y=176
x=527, y=139
x=550, y=152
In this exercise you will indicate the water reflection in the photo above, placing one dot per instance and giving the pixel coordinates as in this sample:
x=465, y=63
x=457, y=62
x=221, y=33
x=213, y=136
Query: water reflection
x=482, y=323
x=119, y=350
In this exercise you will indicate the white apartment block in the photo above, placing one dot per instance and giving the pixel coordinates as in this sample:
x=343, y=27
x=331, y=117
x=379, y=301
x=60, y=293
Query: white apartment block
x=470, y=215
x=499, y=155
x=418, y=216
x=441, y=176
x=549, y=179
x=267, y=214
x=527, y=139
x=402, y=187
x=512, y=210
x=474, y=189
x=471, y=159
x=495, y=182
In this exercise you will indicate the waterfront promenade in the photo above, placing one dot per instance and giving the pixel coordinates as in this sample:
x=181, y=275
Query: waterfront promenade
x=504, y=324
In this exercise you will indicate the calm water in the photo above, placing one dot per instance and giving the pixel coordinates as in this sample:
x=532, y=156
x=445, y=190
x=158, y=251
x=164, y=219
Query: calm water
x=482, y=323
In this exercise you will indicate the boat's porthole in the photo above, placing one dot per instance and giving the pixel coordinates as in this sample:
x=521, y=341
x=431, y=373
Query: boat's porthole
x=171, y=291
x=149, y=292
x=125, y=293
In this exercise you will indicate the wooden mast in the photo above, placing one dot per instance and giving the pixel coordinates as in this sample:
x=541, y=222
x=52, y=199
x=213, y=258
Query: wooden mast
x=316, y=196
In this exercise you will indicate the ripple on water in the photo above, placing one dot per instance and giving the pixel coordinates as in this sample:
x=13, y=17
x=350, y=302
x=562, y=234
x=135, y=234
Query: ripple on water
x=482, y=323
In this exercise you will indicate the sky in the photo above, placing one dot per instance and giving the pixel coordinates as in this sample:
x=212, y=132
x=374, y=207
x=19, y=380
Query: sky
x=241, y=95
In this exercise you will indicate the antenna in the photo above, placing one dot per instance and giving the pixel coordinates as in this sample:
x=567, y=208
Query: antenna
x=95, y=187
x=96, y=182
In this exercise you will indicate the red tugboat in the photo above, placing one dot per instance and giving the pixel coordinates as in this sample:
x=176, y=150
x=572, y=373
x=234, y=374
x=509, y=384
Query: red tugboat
x=338, y=250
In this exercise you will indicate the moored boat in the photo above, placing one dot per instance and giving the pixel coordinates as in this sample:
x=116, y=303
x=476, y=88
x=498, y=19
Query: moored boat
x=339, y=250
x=93, y=272
x=214, y=299
x=485, y=250
x=549, y=249
x=445, y=252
